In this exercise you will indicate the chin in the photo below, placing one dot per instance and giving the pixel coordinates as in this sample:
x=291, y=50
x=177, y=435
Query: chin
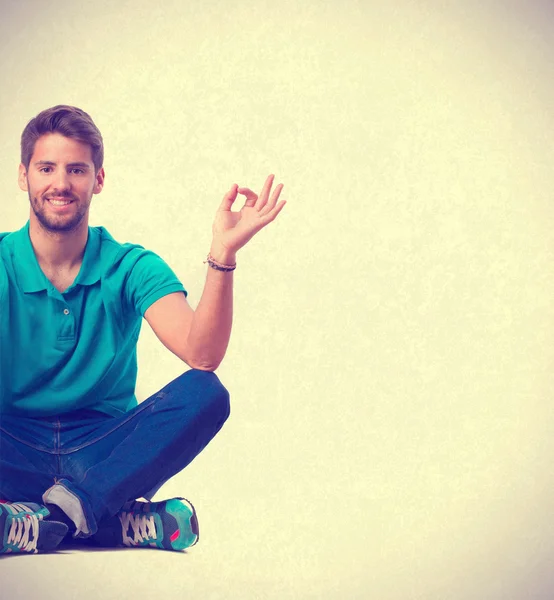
x=58, y=225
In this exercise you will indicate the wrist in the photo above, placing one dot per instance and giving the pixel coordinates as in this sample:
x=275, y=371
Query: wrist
x=223, y=255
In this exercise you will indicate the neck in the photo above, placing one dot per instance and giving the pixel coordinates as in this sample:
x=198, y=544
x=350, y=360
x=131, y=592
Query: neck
x=59, y=250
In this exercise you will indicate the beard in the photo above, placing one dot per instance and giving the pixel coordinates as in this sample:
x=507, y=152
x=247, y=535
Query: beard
x=58, y=223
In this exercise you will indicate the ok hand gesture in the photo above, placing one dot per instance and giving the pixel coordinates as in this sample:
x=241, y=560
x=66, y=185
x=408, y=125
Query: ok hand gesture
x=232, y=230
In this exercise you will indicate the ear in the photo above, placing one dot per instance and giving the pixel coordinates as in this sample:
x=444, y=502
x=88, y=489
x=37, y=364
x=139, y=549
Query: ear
x=22, y=179
x=99, y=183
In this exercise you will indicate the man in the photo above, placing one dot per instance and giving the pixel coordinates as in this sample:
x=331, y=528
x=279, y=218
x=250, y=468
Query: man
x=76, y=449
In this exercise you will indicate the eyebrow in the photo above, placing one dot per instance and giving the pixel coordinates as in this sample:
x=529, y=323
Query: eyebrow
x=72, y=165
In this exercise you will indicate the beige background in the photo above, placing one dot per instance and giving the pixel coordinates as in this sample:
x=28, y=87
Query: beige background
x=391, y=362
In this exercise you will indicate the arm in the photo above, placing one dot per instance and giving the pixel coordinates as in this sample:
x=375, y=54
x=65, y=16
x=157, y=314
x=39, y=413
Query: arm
x=200, y=338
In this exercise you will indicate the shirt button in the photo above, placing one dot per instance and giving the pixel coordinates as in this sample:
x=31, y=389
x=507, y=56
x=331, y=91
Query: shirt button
x=66, y=311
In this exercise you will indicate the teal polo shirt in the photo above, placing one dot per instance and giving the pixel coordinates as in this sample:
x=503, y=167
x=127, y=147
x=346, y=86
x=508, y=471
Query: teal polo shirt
x=64, y=351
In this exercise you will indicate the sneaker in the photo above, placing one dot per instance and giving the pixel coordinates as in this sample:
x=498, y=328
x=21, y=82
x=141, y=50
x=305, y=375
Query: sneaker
x=23, y=529
x=169, y=525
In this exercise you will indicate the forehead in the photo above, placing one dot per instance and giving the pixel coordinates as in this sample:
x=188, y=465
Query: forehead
x=57, y=148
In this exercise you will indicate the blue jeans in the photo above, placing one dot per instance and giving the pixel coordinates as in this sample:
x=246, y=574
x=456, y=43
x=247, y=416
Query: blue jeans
x=97, y=462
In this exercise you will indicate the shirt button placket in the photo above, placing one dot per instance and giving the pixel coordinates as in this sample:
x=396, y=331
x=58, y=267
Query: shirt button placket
x=67, y=325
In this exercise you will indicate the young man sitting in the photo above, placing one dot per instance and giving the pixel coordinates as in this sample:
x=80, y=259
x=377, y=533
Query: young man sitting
x=76, y=448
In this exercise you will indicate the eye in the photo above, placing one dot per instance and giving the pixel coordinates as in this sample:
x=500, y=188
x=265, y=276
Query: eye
x=45, y=169
x=76, y=171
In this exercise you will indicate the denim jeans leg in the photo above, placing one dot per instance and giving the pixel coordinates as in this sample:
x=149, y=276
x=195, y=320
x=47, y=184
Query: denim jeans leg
x=154, y=442
x=28, y=458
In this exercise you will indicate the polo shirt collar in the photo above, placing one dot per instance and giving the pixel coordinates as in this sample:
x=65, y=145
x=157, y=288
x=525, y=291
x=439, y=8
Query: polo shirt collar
x=31, y=277
x=91, y=266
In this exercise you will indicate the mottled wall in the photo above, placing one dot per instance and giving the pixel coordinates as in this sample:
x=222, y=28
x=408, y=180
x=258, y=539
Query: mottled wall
x=391, y=365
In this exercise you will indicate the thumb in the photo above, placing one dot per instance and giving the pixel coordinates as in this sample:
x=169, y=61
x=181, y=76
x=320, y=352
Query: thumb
x=229, y=198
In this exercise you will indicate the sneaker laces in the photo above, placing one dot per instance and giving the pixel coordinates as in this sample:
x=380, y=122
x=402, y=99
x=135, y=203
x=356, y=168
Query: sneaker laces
x=24, y=532
x=142, y=527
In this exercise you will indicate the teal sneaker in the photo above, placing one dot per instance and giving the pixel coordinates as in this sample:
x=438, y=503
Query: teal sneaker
x=168, y=525
x=23, y=528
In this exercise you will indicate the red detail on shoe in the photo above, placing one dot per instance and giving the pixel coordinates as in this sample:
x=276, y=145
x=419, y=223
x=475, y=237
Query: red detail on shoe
x=4, y=502
x=175, y=535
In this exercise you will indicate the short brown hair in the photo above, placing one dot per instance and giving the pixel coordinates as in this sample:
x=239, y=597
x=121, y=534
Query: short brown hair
x=70, y=121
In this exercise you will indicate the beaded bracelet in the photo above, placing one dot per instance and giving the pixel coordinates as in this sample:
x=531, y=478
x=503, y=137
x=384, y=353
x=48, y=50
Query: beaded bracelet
x=214, y=264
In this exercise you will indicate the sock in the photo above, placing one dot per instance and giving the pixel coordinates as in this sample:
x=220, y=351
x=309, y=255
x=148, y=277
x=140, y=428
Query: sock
x=57, y=514
x=51, y=533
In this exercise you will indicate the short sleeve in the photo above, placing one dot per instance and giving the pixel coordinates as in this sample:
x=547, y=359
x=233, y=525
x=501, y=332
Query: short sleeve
x=150, y=278
x=3, y=282
x=3, y=275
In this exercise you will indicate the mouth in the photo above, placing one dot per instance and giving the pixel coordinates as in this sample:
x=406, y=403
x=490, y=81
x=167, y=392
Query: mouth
x=59, y=202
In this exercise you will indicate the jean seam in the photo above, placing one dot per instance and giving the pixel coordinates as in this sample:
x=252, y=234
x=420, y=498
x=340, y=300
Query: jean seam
x=142, y=406
x=57, y=444
x=38, y=447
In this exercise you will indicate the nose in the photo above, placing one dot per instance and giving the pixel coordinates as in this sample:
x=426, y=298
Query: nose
x=61, y=181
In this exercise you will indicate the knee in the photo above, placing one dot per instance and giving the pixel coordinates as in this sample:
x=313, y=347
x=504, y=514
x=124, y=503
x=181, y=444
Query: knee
x=215, y=394
x=206, y=391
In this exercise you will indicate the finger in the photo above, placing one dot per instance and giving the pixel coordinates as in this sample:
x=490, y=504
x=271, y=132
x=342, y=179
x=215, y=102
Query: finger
x=229, y=198
x=264, y=194
x=251, y=197
x=270, y=216
x=273, y=200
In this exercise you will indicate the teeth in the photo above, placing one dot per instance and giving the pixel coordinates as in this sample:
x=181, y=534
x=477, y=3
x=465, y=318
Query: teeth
x=60, y=202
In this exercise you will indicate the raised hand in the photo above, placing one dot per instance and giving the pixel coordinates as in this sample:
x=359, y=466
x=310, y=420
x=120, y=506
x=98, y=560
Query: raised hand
x=232, y=230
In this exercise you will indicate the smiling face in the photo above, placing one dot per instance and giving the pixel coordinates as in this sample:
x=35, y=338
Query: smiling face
x=61, y=181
